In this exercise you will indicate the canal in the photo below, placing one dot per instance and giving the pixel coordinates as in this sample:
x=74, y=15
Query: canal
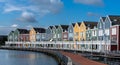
x=12, y=57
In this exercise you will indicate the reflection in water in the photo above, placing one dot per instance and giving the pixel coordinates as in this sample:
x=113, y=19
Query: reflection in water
x=10, y=57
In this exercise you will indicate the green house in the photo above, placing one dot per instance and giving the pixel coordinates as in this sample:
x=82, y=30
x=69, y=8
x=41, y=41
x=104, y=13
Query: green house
x=11, y=36
x=91, y=33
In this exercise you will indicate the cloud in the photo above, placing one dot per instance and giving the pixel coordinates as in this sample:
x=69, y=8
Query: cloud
x=14, y=25
x=41, y=7
x=6, y=29
x=29, y=9
x=90, y=2
x=27, y=17
x=93, y=14
x=9, y=8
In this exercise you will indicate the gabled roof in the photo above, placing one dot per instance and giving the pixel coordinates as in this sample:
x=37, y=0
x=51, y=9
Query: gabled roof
x=23, y=31
x=64, y=27
x=103, y=18
x=79, y=23
x=90, y=24
x=56, y=26
x=40, y=30
x=73, y=24
x=115, y=19
x=50, y=27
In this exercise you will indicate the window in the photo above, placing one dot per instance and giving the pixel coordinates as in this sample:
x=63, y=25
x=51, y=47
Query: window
x=58, y=35
x=113, y=31
x=113, y=40
x=65, y=35
x=70, y=31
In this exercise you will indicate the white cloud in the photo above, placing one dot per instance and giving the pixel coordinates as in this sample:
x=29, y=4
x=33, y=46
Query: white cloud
x=14, y=25
x=90, y=2
x=31, y=8
x=9, y=8
x=40, y=7
x=93, y=14
x=27, y=17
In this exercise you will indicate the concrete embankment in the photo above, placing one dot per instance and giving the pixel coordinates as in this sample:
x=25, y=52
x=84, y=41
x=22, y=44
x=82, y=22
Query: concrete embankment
x=61, y=59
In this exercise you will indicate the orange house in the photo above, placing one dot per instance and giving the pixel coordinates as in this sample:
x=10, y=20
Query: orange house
x=77, y=31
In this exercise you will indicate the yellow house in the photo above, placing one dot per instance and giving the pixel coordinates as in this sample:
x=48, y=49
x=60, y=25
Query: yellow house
x=77, y=31
x=32, y=35
x=84, y=26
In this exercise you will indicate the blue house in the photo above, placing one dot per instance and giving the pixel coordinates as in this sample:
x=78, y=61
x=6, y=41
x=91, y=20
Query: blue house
x=71, y=32
x=49, y=34
x=100, y=27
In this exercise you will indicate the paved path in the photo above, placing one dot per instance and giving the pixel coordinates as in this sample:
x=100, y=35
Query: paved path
x=80, y=60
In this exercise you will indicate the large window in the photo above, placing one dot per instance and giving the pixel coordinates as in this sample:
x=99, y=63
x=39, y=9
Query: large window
x=113, y=31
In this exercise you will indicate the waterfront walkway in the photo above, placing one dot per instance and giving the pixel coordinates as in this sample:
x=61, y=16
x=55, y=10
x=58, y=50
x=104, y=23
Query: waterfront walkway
x=80, y=60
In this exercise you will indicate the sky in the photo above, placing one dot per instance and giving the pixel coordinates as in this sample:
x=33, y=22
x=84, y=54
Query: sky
x=43, y=13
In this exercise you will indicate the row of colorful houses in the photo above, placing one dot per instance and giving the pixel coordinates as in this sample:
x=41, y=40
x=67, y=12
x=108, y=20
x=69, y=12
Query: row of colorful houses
x=106, y=29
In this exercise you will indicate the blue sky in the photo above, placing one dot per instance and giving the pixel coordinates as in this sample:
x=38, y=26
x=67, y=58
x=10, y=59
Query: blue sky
x=42, y=13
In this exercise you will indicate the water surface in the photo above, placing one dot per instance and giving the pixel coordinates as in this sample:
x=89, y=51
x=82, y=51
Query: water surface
x=11, y=57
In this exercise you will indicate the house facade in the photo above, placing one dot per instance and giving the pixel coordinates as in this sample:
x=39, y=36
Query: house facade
x=32, y=34
x=115, y=38
x=16, y=35
x=11, y=36
x=59, y=33
x=64, y=32
x=89, y=34
x=101, y=27
x=49, y=34
x=23, y=35
x=77, y=31
x=71, y=32
x=54, y=32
